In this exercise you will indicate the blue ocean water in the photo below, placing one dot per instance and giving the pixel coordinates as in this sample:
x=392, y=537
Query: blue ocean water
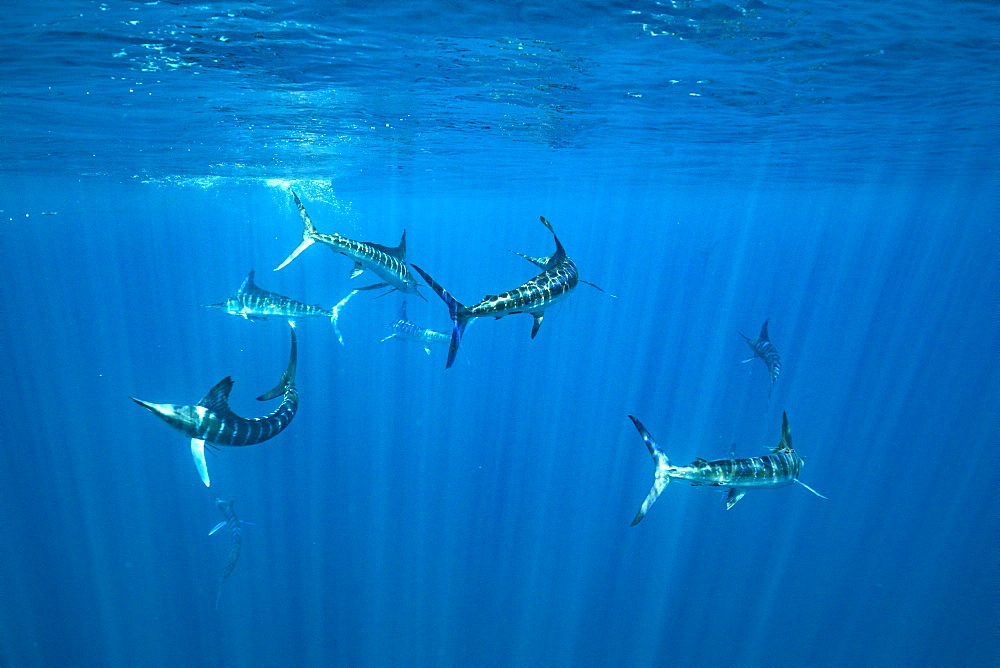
x=831, y=167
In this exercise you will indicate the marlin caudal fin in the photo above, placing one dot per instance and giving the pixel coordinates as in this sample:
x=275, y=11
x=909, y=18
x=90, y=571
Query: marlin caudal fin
x=458, y=312
x=308, y=232
x=287, y=380
x=560, y=251
x=661, y=475
x=335, y=315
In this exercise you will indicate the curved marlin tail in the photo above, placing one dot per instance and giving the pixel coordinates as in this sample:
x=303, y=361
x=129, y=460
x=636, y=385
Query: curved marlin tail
x=235, y=526
x=254, y=303
x=558, y=278
x=387, y=263
x=778, y=469
x=764, y=349
x=212, y=421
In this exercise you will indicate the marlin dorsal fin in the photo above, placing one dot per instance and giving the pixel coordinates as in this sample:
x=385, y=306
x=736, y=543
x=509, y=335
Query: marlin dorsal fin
x=248, y=284
x=398, y=252
x=217, y=399
x=763, y=332
x=785, y=444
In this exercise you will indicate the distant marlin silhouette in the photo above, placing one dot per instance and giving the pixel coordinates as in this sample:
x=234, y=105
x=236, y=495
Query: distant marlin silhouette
x=387, y=263
x=763, y=348
x=212, y=421
x=253, y=303
x=557, y=280
x=235, y=526
x=404, y=330
x=778, y=469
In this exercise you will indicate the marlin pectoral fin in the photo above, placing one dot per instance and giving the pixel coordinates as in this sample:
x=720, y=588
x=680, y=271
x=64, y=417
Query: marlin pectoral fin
x=811, y=489
x=427, y=350
x=374, y=286
x=733, y=496
x=594, y=285
x=538, y=322
x=749, y=359
x=357, y=269
x=216, y=527
x=198, y=452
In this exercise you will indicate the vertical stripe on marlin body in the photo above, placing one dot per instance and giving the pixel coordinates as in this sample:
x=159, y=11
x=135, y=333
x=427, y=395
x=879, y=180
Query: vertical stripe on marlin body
x=211, y=420
x=386, y=262
x=558, y=278
x=254, y=303
x=764, y=350
x=778, y=469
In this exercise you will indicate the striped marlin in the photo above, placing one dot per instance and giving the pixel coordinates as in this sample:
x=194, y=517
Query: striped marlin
x=778, y=469
x=404, y=330
x=558, y=278
x=211, y=420
x=387, y=263
x=235, y=526
x=764, y=349
x=254, y=303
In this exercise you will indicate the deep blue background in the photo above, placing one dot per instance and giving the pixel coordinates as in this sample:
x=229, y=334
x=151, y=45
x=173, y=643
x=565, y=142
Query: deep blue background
x=413, y=515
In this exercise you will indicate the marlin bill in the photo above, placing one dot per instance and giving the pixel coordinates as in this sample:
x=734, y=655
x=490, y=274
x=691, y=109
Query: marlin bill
x=558, y=278
x=778, y=469
x=212, y=421
x=388, y=263
x=235, y=528
x=764, y=350
x=404, y=330
x=254, y=303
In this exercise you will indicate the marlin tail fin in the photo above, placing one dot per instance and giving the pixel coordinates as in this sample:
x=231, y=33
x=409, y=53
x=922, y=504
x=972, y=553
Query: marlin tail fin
x=308, y=232
x=335, y=315
x=661, y=474
x=459, y=314
x=287, y=379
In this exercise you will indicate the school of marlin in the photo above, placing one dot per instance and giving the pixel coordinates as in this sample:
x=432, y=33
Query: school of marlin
x=211, y=423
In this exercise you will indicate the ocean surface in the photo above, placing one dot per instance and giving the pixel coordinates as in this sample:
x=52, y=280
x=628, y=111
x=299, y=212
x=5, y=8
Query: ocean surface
x=832, y=168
